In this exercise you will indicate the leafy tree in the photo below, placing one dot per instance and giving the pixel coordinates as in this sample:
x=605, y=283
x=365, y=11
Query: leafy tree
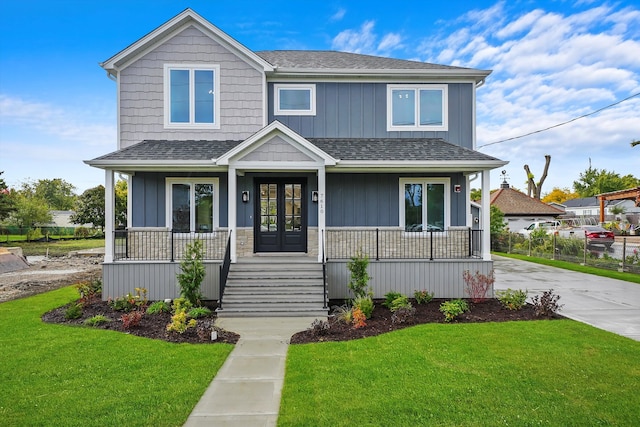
x=7, y=203
x=57, y=193
x=121, y=202
x=595, y=181
x=29, y=210
x=559, y=195
x=476, y=194
x=496, y=221
x=90, y=208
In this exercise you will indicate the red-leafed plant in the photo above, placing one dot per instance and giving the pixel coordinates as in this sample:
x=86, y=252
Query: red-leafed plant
x=478, y=285
x=131, y=319
x=359, y=318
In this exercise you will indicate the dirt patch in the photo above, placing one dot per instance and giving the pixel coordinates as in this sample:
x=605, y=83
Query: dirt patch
x=151, y=325
x=382, y=320
x=46, y=274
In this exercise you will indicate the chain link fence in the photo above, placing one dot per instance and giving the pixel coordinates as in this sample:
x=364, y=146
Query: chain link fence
x=623, y=255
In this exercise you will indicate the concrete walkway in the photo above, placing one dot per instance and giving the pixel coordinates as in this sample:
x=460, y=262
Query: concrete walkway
x=246, y=391
x=609, y=304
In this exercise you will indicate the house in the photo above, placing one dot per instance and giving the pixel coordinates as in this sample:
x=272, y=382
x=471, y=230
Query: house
x=591, y=207
x=521, y=210
x=276, y=158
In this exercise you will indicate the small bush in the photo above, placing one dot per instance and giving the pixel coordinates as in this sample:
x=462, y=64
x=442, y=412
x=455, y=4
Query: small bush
x=198, y=312
x=359, y=319
x=97, y=320
x=513, y=300
x=180, y=322
x=131, y=319
x=192, y=273
x=547, y=304
x=478, y=285
x=81, y=232
x=389, y=297
x=359, y=282
x=74, y=311
x=90, y=292
x=34, y=234
x=423, y=296
x=130, y=302
x=343, y=313
x=454, y=308
x=319, y=327
x=400, y=302
x=403, y=315
x=159, y=307
x=365, y=304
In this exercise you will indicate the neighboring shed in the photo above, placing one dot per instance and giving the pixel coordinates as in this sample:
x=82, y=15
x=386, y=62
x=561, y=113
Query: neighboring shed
x=519, y=209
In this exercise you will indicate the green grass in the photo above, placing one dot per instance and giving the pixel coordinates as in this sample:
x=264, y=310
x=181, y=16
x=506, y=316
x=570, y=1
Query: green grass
x=57, y=248
x=72, y=376
x=629, y=277
x=557, y=372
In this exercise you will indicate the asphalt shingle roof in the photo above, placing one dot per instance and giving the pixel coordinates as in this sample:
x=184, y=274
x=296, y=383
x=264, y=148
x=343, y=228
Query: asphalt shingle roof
x=514, y=202
x=325, y=59
x=383, y=149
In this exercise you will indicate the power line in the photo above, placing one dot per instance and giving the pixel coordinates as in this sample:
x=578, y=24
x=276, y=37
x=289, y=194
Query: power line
x=560, y=124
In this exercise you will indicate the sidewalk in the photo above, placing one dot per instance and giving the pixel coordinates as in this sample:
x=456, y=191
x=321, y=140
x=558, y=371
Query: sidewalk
x=609, y=304
x=246, y=391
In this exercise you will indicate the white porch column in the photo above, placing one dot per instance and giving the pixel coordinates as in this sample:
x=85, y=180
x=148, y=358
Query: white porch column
x=322, y=189
x=109, y=215
x=232, y=210
x=486, y=216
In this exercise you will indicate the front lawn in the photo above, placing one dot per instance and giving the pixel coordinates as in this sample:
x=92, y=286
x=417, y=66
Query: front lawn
x=557, y=372
x=60, y=375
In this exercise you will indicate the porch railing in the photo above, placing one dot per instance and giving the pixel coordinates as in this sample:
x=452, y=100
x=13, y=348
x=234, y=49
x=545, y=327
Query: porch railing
x=224, y=270
x=378, y=244
x=165, y=245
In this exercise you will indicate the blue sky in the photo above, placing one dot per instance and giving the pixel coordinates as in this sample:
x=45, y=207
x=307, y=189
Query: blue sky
x=552, y=61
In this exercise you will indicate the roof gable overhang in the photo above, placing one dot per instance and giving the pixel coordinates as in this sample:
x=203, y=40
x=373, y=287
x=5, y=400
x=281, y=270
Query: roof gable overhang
x=236, y=156
x=417, y=75
x=173, y=27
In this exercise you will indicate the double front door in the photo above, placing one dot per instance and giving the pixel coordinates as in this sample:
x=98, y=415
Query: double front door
x=280, y=219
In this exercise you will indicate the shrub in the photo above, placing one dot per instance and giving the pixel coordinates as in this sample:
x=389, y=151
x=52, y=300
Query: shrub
x=454, y=308
x=159, y=307
x=81, y=232
x=343, y=313
x=403, y=315
x=34, y=234
x=90, y=292
x=131, y=319
x=365, y=304
x=400, y=302
x=180, y=322
x=319, y=327
x=97, y=320
x=359, y=282
x=74, y=311
x=478, y=285
x=130, y=302
x=513, y=300
x=198, y=312
x=423, y=296
x=359, y=319
x=192, y=273
x=389, y=297
x=547, y=304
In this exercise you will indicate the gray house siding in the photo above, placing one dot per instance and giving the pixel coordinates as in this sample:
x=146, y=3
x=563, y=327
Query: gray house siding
x=372, y=200
x=148, y=191
x=359, y=110
x=142, y=92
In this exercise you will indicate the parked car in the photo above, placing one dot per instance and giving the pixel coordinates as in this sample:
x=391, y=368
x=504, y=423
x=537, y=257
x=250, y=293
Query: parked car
x=598, y=236
x=548, y=226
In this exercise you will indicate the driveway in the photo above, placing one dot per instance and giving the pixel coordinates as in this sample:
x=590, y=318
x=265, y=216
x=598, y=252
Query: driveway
x=609, y=304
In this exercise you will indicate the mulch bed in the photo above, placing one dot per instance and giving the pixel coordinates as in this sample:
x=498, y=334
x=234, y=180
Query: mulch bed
x=155, y=325
x=381, y=320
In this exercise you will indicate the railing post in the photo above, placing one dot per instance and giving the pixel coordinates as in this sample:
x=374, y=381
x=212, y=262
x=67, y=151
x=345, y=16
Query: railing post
x=624, y=251
x=431, y=245
x=172, y=254
x=377, y=244
x=470, y=242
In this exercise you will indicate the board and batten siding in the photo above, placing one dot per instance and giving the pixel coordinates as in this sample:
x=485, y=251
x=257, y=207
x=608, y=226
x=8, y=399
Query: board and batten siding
x=142, y=92
x=119, y=279
x=442, y=277
x=359, y=110
x=372, y=199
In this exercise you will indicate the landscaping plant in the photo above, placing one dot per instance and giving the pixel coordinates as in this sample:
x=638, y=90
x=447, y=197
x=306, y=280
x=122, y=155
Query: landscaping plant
x=192, y=273
x=180, y=321
x=454, y=308
x=389, y=297
x=423, y=296
x=547, y=304
x=513, y=300
x=159, y=307
x=359, y=282
x=131, y=319
x=400, y=302
x=359, y=319
x=478, y=285
x=365, y=304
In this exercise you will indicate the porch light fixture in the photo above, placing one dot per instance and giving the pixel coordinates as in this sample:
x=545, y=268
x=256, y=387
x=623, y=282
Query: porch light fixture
x=245, y=196
x=314, y=196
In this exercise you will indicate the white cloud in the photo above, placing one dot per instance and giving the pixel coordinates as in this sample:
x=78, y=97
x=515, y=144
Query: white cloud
x=338, y=15
x=365, y=41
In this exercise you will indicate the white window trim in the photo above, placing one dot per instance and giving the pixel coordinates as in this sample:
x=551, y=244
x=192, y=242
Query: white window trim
x=191, y=181
x=276, y=99
x=417, y=126
x=167, y=96
x=425, y=181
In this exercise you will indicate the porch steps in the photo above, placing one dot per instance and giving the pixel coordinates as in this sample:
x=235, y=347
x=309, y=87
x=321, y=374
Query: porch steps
x=274, y=286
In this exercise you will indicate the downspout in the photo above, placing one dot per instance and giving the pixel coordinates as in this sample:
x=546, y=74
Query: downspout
x=480, y=83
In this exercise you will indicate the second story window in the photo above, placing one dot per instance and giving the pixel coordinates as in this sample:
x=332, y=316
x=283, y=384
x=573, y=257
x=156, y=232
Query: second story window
x=417, y=107
x=294, y=99
x=192, y=96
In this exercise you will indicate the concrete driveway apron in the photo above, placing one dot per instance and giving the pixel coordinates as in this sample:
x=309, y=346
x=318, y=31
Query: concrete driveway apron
x=609, y=304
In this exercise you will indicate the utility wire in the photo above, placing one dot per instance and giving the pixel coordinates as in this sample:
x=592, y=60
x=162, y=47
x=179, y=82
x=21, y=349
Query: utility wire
x=560, y=124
